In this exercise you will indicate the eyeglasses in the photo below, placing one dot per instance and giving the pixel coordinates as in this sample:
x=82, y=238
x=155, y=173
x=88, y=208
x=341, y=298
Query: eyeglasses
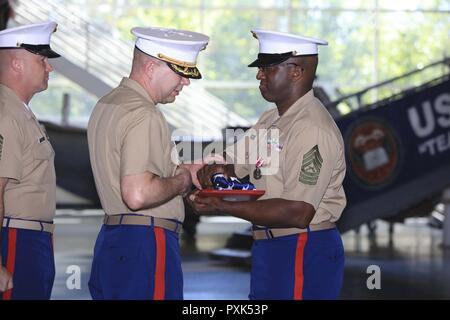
x=270, y=68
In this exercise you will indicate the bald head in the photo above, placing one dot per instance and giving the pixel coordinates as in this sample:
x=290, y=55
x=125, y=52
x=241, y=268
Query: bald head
x=156, y=78
x=10, y=59
x=24, y=72
x=286, y=82
x=141, y=61
x=5, y=56
x=309, y=66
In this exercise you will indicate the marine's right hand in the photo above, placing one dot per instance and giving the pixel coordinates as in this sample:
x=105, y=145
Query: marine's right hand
x=6, y=280
x=186, y=180
x=205, y=174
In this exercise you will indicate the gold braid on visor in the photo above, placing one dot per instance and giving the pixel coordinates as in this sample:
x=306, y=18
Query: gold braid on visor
x=187, y=71
x=175, y=61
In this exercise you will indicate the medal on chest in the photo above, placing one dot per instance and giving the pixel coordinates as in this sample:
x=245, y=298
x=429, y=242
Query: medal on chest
x=257, y=172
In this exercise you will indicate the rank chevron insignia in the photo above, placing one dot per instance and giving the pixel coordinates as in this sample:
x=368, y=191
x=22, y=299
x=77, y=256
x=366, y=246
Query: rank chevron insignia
x=311, y=165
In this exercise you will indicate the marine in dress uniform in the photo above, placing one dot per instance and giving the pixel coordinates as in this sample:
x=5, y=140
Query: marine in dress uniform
x=136, y=255
x=297, y=252
x=27, y=172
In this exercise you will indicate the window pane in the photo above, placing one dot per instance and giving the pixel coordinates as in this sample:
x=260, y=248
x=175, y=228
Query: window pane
x=336, y=4
x=347, y=61
x=405, y=45
x=414, y=4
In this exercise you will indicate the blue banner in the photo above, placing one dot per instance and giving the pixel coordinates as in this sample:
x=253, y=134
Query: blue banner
x=395, y=144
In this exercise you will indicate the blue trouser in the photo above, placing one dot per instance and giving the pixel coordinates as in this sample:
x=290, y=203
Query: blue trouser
x=308, y=265
x=136, y=262
x=28, y=256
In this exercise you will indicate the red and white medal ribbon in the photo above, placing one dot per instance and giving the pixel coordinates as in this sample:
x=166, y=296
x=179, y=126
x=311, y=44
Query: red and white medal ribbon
x=259, y=162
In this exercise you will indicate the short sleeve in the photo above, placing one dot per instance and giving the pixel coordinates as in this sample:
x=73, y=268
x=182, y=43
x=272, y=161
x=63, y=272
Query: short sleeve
x=11, y=149
x=310, y=159
x=142, y=146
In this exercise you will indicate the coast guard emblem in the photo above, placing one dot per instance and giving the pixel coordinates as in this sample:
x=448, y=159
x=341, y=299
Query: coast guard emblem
x=374, y=152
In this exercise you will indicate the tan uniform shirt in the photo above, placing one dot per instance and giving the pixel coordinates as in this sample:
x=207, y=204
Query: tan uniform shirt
x=27, y=158
x=304, y=162
x=128, y=135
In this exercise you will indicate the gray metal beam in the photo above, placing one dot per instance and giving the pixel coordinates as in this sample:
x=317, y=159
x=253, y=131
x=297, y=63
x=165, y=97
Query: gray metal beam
x=87, y=81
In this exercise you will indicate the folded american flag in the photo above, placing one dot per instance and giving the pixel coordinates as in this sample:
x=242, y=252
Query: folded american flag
x=220, y=182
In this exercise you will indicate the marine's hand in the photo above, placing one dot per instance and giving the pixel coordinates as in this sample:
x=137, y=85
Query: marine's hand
x=204, y=174
x=186, y=180
x=6, y=280
x=193, y=169
x=204, y=205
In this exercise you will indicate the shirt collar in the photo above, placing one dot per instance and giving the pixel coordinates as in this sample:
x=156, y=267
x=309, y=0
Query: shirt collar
x=135, y=86
x=14, y=101
x=300, y=104
x=282, y=122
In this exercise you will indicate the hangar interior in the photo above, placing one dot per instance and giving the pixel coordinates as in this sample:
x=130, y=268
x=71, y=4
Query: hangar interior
x=384, y=77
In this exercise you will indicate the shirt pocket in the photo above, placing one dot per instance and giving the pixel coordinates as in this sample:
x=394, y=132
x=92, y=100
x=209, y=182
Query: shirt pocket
x=43, y=150
x=42, y=170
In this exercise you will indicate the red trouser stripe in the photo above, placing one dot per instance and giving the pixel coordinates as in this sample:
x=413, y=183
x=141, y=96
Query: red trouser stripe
x=11, y=258
x=160, y=269
x=299, y=276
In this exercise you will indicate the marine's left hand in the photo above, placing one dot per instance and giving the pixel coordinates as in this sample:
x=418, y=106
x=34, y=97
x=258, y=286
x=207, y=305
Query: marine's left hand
x=204, y=205
x=193, y=169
